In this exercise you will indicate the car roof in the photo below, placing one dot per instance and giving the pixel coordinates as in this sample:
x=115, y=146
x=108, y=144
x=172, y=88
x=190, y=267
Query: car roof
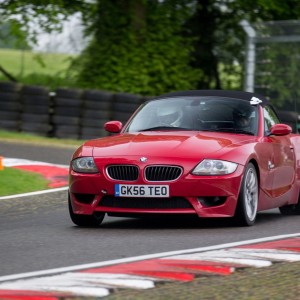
x=218, y=93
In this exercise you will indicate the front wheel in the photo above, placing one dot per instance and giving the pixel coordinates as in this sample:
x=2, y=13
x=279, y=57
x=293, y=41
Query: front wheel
x=85, y=220
x=246, y=209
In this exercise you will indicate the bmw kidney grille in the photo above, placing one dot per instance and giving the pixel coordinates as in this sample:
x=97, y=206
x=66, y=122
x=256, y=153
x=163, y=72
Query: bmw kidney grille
x=123, y=172
x=152, y=173
x=162, y=173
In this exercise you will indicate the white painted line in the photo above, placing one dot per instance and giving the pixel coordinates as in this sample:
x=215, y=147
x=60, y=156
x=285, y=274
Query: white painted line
x=270, y=254
x=142, y=257
x=82, y=291
x=225, y=256
x=13, y=162
x=35, y=193
x=111, y=280
x=86, y=284
x=240, y=261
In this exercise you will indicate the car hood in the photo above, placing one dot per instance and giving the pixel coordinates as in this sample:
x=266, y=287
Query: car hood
x=166, y=144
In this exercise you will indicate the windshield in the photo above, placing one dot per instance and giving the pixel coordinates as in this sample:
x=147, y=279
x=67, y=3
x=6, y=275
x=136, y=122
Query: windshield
x=196, y=113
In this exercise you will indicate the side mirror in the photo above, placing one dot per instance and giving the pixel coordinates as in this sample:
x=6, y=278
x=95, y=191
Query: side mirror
x=281, y=129
x=113, y=126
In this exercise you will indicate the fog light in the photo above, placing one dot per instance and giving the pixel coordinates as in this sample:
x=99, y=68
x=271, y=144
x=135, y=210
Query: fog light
x=212, y=200
x=84, y=198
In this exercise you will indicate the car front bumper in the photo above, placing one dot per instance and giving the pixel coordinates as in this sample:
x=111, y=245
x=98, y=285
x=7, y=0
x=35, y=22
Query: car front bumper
x=205, y=196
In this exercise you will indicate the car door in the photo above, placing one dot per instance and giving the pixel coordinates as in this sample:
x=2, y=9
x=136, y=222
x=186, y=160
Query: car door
x=281, y=160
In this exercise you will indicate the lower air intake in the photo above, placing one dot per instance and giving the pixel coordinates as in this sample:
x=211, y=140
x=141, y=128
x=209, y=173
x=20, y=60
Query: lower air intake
x=146, y=203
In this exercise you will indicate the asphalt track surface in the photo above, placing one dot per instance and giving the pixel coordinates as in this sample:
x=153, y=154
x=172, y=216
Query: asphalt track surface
x=37, y=234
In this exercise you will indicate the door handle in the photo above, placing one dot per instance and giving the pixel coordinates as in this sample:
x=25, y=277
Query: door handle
x=270, y=165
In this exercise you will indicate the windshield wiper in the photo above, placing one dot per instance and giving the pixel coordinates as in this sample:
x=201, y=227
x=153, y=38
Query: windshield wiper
x=164, y=128
x=234, y=130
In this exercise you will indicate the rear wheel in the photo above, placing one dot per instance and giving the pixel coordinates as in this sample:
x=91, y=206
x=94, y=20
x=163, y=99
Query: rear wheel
x=85, y=220
x=290, y=210
x=246, y=210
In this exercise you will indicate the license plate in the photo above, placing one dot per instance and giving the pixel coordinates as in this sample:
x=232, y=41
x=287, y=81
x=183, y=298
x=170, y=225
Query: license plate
x=139, y=190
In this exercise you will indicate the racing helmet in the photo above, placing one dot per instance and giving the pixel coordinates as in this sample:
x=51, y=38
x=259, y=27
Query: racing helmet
x=170, y=115
x=241, y=119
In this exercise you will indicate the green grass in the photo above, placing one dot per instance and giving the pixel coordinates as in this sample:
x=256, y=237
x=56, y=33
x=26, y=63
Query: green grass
x=11, y=136
x=22, y=63
x=32, y=68
x=14, y=181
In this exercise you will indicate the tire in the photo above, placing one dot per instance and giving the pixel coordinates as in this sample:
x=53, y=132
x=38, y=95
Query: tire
x=68, y=128
x=9, y=97
x=96, y=114
x=38, y=119
x=94, y=123
x=35, y=90
x=97, y=96
x=36, y=109
x=121, y=116
x=125, y=107
x=9, y=87
x=287, y=116
x=97, y=105
x=35, y=127
x=291, y=210
x=36, y=100
x=67, y=111
x=246, y=209
x=67, y=102
x=88, y=133
x=290, y=118
x=68, y=93
x=85, y=220
x=62, y=120
x=10, y=106
x=66, y=135
x=9, y=125
x=9, y=116
x=65, y=131
x=127, y=98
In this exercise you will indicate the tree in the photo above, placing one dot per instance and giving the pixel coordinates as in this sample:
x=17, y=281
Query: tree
x=281, y=83
x=17, y=17
x=219, y=39
x=12, y=36
x=46, y=14
x=154, y=46
x=137, y=47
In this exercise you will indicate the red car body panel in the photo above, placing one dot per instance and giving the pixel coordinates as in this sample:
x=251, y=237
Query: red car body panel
x=278, y=186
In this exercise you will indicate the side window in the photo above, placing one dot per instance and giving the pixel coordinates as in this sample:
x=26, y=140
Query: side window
x=270, y=118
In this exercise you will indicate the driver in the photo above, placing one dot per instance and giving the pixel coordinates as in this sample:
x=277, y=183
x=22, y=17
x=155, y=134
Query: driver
x=241, y=120
x=170, y=116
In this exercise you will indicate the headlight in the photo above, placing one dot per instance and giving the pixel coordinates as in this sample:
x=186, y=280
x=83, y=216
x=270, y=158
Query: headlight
x=84, y=165
x=214, y=167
